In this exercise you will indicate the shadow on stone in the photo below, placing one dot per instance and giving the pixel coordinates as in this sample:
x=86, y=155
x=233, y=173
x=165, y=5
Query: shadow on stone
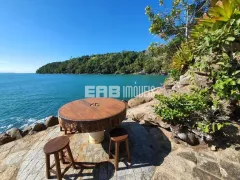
x=92, y=171
x=227, y=137
x=148, y=147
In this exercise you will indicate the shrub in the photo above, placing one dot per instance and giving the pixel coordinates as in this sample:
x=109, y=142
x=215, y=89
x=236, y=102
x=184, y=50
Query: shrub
x=213, y=48
x=178, y=108
x=175, y=74
x=191, y=110
x=218, y=35
x=182, y=58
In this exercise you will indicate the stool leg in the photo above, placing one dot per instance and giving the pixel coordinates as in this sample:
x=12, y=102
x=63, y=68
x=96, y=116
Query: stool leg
x=60, y=127
x=109, y=150
x=65, y=131
x=127, y=149
x=58, y=169
x=62, y=156
x=71, y=156
x=47, y=165
x=116, y=155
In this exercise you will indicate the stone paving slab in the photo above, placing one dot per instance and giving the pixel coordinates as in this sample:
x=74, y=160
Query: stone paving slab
x=154, y=155
x=29, y=162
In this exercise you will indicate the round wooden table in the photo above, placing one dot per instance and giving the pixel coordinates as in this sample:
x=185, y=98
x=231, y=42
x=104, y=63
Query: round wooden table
x=92, y=115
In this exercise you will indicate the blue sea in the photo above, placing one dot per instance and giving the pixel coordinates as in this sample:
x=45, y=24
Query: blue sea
x=27, y=98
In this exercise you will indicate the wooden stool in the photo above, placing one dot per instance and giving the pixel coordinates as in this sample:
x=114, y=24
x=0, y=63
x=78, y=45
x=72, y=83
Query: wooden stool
x=56, y=146
x=118, y=135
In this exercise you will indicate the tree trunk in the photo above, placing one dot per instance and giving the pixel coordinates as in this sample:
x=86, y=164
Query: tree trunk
x=186, y=30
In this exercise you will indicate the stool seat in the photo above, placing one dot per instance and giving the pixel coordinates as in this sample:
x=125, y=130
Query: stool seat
x=56, y=144
x=118, y=134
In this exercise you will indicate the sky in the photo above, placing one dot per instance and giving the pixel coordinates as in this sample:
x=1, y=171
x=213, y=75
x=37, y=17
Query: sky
x=36, y=32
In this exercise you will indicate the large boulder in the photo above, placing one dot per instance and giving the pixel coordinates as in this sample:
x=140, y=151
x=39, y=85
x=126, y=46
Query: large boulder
x=184, y=134
x=177, y=88
x=26, y=130
x=169, y=83
x=147, y=96
x=136, y=101
x=145, y=113
x=5, y=138
x=185, y=80
x=184, y=85
x=15, y=133
x=38, y=127
x=151, y=93
x=51, y=121
x=169, y=86
x=192, y=139
x=202, y=79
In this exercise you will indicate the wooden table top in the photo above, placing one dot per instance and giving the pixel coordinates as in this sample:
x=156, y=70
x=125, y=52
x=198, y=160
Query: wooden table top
x=91, y=109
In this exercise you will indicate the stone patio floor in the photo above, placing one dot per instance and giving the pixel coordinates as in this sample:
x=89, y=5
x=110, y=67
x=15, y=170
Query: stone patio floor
x=153, y=156
x=27, y=160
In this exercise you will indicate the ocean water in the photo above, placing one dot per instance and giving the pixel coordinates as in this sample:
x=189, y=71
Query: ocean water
x=27, y=98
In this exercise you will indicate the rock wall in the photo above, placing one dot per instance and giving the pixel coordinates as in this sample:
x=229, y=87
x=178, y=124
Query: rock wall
x=15, y=133
x=191, y=163
x=141, y=108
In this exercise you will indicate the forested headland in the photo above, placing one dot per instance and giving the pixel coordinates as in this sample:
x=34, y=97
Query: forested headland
x=125, y=62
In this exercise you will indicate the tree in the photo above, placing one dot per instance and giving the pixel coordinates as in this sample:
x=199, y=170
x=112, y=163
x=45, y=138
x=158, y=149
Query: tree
x=123, y=62
x=178, y=20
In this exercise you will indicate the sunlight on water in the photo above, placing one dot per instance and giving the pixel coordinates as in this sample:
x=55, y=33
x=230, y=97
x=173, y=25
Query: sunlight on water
x=27, y=98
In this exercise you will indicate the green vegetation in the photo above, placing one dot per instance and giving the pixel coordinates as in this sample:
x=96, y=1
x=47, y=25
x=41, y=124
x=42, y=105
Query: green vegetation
x=182, y=58
x=212, y=48
x=220, y=40
x=179, y=109
x=126, y=62
x=175, y=74
x=174, y=25
x=190, y=110
x=177, y=21
x=203, y=37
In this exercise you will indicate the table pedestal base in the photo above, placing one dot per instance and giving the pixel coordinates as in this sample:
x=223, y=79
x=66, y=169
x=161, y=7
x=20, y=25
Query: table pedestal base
x=96, y=137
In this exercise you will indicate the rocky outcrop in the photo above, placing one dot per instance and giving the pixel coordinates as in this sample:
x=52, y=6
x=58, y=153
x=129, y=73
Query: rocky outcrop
x=184, y=85
x=185, y=135
x=147, y=96
x=145, y=114
x=26, y=130
x=169, y=86
x=142, y=106
x=15, y=133
x=5, y=138
x=202, y=80
x=142, y=98
x=136, y=101
x=24, y=158
x=181, y=89
x=51, y=121
x=151, y=94
x=187, y=162
x=38, y=127
x=185, y=80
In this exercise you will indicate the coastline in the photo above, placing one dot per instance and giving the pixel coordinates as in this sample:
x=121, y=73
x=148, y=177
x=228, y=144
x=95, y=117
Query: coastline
x=27, y=98
x=194, y=161
x=24, y=158
x=43, y=124
x=157, y=74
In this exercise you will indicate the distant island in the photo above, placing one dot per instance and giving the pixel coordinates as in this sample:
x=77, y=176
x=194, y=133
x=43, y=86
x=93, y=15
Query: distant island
x=125, y=62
